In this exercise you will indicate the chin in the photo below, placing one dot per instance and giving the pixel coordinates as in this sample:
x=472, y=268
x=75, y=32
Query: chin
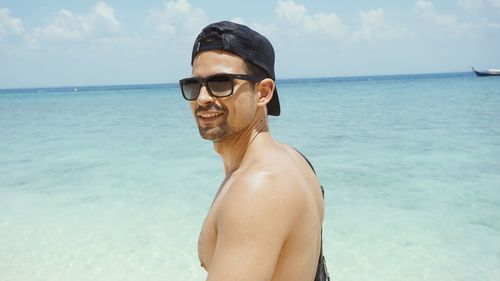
x=213, y=134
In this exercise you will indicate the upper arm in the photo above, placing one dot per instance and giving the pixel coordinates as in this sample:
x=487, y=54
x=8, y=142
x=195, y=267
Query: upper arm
x=252, y=225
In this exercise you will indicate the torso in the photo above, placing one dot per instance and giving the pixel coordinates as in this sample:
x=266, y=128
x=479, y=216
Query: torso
x=300, y=252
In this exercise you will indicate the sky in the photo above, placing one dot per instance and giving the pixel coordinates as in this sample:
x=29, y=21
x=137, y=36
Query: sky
x=52, y=43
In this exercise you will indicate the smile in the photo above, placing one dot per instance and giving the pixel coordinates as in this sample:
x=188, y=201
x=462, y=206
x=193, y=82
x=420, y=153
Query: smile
x=209, y=115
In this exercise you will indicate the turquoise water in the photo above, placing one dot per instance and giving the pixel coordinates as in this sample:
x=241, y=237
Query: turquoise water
x=112, y=183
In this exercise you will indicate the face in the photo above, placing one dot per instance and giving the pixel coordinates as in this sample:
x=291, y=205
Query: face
x=222, y=118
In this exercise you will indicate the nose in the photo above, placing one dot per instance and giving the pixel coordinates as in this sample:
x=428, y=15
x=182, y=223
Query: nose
x=204, y=97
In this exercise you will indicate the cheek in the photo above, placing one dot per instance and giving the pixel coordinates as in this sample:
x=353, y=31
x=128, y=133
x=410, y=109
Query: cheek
x=244, y=109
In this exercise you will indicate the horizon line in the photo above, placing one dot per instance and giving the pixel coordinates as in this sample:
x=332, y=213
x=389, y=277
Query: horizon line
x=140, y=85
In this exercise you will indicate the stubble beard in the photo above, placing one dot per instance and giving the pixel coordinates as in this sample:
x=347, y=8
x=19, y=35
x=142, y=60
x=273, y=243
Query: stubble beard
x=214, y=134
x=220, y=132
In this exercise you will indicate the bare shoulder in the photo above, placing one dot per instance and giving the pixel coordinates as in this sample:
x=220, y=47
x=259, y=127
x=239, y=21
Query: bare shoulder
x=268, y=218
x=258, y=193
x=275, y=187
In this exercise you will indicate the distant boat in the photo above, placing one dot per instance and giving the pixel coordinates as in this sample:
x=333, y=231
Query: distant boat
x=489, y=72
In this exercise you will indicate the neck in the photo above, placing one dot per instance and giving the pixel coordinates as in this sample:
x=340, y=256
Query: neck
x=234, y=149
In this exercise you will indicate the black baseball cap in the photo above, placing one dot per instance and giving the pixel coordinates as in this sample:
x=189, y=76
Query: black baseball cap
x=243, y=42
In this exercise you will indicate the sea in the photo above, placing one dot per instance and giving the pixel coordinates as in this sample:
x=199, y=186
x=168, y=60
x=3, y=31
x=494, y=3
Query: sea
x=113, y=182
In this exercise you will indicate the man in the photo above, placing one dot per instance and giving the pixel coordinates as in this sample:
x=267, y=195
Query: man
x=265, y=221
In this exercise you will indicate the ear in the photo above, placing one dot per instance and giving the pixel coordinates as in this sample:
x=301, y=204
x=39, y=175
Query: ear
x=265, y=91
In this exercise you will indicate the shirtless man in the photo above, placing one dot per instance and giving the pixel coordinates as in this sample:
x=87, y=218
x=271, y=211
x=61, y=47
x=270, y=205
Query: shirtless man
x=265, y=221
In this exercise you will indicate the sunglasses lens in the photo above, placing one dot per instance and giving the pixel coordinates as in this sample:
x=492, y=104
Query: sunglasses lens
x=220, y=86
x=191, y=89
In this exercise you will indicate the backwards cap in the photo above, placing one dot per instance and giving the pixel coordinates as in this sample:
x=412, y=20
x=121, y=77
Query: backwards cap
x=243, y=42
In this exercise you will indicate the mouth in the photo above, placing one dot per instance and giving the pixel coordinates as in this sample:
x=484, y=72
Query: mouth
x=209, y=115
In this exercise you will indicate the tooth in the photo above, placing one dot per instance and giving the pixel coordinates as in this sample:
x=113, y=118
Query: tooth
x=209, y=114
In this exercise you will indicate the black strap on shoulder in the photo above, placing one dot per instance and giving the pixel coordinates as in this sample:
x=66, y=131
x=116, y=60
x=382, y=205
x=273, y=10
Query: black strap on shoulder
x=321, y=271
x=308, y=162
x=310, y=165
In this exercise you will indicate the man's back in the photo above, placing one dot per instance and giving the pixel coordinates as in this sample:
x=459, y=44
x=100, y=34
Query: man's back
x=265, y=221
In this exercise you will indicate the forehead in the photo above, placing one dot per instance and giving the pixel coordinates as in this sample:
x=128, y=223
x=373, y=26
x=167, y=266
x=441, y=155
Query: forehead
x=213, y=62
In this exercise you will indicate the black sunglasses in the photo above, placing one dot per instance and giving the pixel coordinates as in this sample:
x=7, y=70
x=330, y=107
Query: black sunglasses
x=218, y=85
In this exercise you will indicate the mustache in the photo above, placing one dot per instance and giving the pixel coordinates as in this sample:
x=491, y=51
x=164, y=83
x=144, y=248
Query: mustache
x=211, y=107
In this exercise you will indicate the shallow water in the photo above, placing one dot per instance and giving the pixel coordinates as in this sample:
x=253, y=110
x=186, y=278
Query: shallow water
x=113, y=183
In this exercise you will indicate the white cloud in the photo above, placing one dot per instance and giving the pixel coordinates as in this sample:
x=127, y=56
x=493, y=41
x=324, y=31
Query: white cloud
x=99, y=22
x=238, y=20
x=10, y=26
x=372, y=26
x=269, y=30
x=426, y=10
x=103, y=16
x=328, y=24
x=291, y=11
x=177, y=16
x=457, y=28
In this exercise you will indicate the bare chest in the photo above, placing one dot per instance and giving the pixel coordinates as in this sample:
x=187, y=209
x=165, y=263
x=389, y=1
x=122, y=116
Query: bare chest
x=208, y=234
x=207, y=239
